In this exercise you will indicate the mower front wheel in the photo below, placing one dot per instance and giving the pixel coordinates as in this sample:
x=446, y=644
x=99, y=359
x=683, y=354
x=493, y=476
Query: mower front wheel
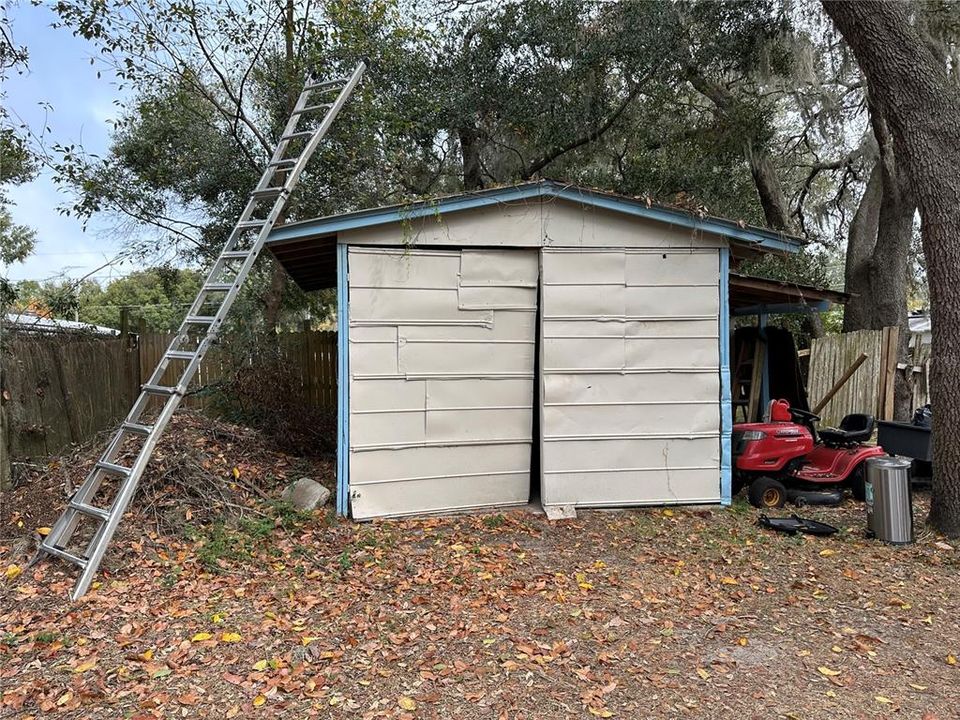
x=767, y=493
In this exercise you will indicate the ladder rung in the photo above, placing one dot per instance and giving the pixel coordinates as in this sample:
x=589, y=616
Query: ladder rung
x=159, y=390
x=136, y=428
x=80, y=562
x=326, y=84
x=311, y=108
x=270, y=192
x=217, y=286
x=249, y=224
x=297, y=135
x=286, y=162
x=180, y=354
x=112, y=468
x=234, y=254
x=200, y=319
x=90, y=510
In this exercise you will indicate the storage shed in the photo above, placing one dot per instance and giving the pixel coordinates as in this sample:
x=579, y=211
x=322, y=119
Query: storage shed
x=532, y=340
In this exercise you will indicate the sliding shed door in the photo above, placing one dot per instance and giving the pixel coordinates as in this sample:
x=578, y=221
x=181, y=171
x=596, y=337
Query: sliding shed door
x=441, y=363
x=631, y=376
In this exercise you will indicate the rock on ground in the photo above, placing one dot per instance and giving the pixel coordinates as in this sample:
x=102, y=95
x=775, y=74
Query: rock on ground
x=306, y=494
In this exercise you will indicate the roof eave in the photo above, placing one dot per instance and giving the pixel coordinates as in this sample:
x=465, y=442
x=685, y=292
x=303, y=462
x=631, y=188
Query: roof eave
x=758, y=237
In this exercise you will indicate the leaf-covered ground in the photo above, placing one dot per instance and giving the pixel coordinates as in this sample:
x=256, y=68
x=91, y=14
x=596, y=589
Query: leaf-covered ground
x=632, y=614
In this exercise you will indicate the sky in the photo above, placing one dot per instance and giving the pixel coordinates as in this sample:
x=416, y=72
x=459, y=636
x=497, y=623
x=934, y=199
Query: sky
x=60, y=91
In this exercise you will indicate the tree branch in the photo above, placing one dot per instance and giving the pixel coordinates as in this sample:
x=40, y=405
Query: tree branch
x=557, y=151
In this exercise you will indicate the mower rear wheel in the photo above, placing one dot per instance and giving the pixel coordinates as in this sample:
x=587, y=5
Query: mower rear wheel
x=767, y=493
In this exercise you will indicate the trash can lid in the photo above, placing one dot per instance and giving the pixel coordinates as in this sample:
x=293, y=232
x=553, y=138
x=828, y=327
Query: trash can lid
x=890, y=461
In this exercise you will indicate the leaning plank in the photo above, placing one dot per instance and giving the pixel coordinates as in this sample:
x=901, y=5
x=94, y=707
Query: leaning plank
x=837, y=386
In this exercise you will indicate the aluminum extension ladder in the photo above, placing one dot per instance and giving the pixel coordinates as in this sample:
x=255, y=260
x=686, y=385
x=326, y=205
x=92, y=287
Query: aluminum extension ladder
x=205, y=318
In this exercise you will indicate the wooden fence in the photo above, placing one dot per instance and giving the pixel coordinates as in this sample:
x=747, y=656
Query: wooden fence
x=65, y=388
x=312, y=353
x=60, y=389
x=870, y=389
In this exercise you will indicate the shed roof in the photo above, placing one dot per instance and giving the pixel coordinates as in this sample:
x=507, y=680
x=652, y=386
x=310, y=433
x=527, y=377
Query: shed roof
x=751, y=295
x=307, y=248
x=33, y=322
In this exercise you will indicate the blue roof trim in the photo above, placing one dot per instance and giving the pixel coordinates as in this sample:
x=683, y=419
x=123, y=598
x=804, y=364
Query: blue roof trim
x=768, y=239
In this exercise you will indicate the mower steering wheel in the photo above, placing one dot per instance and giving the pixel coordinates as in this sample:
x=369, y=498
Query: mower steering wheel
x=804, y=415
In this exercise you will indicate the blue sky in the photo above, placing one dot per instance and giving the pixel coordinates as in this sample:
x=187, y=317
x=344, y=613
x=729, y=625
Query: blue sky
x=81, y=105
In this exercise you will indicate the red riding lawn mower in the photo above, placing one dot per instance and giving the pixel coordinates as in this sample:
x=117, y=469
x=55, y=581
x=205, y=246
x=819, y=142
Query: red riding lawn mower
x=788, y=459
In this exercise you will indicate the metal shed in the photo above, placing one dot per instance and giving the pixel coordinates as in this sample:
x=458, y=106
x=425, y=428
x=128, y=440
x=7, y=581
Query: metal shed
x=537, y=339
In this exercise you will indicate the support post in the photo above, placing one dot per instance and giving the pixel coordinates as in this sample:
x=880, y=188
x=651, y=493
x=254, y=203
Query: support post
x=343, y=383
x=726, y=405
x=765, y=361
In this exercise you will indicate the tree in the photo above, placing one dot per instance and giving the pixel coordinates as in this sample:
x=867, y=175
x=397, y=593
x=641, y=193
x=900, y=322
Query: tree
x=17, y=165
x=52, y=298
x=527, y=84
x=921, y=105
x=158, y=296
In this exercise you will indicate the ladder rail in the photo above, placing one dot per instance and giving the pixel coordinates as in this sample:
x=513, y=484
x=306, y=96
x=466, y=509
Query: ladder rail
x=80, y=504
x=278, y=206
x=101, y=539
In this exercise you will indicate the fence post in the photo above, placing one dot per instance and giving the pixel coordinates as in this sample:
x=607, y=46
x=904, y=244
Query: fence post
x=137, y=378
x=306, y=364
x=125, y=340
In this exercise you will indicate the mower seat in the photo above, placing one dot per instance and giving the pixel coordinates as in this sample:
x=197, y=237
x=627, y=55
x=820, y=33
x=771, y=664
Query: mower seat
x=854, y=428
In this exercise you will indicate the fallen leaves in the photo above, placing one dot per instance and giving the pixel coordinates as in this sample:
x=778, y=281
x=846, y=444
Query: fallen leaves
x=407, y=703
x=600, y=712
x=13, y=571
x=201, y=637
x=231, y=637
x=829, y=672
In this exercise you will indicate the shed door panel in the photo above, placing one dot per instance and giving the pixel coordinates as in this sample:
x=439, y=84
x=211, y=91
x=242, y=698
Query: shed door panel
x=441, y=379
x=631, y=377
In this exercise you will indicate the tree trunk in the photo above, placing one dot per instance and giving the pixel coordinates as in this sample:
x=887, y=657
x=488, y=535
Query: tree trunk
x=776, y=209
x=274, y=297
x=878, y=256
x=921, y=105
x=470, y=153
x=773, y=201
x=861, y=244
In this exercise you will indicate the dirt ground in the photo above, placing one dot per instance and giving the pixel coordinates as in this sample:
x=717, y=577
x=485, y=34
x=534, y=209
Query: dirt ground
x=650, y=613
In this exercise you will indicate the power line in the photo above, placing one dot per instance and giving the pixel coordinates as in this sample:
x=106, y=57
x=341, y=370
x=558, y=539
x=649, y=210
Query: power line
x=134, y=305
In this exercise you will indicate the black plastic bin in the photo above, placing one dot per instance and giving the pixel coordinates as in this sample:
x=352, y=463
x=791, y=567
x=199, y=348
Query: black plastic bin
x=906, y=440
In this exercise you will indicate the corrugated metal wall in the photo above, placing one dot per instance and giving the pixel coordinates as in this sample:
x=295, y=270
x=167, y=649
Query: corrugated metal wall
x=630, y=374
x=441, y=388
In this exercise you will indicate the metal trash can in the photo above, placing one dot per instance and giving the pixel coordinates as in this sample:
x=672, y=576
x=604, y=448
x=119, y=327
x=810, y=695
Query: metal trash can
x=889, y=500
